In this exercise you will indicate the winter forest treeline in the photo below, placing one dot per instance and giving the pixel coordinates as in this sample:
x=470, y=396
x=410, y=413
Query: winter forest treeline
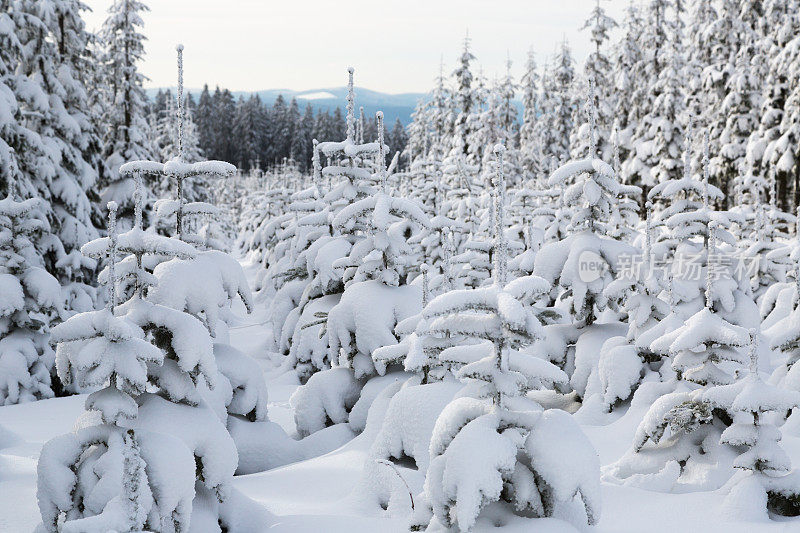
x=251, y=135
x=465, y=294
x=726, y=67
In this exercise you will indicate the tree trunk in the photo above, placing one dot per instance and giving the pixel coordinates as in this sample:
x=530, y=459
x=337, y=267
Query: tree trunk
x=796, y=184
x=783, y=192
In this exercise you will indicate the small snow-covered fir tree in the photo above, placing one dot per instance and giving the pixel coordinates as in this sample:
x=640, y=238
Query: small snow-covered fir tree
x=780, y=326
x=706, y=339
x=531, y=151
x=54, y=105
x=383, y=253
x=419, y=348
x=32, y=302
x=751, y=402
x=126, y=137
x=318, y=265
x=379, y=259
x=750, y=398
x=464, y=101
x=159, y=408
x=592, y=192
x=99, y=349
x=181, y=171
x=695, y=439
x=624, y=363
x=598, y=67
x=490, y=448
x=686, y=225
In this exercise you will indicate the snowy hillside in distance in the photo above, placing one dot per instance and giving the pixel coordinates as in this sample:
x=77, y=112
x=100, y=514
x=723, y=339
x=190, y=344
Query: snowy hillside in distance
x=394, y=106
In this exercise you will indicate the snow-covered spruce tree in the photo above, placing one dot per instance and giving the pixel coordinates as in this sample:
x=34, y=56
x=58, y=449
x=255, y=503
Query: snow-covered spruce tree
x=126, y=136
x=550, y=214
x=706, y=340
x=683, y=224
x=514, y=460
x=192, y=391
x=254, y=210
x=461, y=204
x=31, y=302
x=379, y=262
x=764, y=247
x=692, y=439
x=436, y=249
x=525, y=228
x=290, y=274
x=182, y=172
x=592, y=192
x=703, y=350
x=418, y=131
x=419, y=348
x=697, y=234
x=581, y=266
x=217, y=281
x=464, y=102
x=267, y=245
x=557, y=120
x=377, y=224
x=754, y=407
x=655, y=154
x=12, y=129
x=625, y=361
x=316, y=286
x=780, y=327
x=319, y=269
x=441, y=112
x=473, y=266
x=58, y=159
x=474, y=250
x=96, y=479
x=507, y=114
x=529, y=147
x=598, y=68
x=426, y=183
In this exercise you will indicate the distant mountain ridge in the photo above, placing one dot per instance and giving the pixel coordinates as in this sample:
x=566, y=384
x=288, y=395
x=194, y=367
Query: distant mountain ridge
x=394, y=106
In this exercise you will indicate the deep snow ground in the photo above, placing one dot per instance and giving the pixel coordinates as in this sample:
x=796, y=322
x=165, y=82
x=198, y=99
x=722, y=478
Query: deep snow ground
x=318, y=494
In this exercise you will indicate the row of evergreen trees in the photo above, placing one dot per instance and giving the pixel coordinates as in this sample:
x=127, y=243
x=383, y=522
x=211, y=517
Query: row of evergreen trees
x=724, y=65
x=251, y=134
x=489, y=283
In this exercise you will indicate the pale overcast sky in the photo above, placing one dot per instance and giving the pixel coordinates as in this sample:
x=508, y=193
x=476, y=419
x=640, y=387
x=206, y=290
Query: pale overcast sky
x=394, y=45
